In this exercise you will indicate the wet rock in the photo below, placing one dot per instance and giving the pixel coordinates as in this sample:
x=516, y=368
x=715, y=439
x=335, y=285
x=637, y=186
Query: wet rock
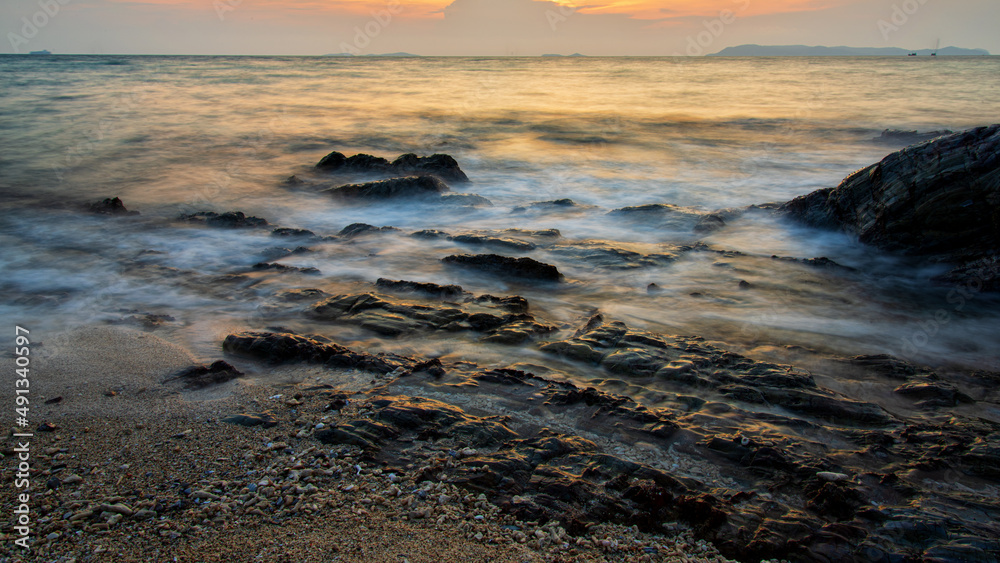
x=654, y=289
x=429, y=234
x=278, y=348
x=504, y=243
x=110, y=206
x=288, y=232
x=505, y=266
x=198, y=377
x=933, y=394
x=745, y=285
x=277, y=253
x=358, y=229
x=885, y=365
x=606, y=255
x=428, y=289
x=709, y=224
x=395, y=188
x=939, y=199
x=146, y=321
x=822, y=262
x=441, y=165
x=465, y=200
x=294, y=295
x=393, y=318
x=663, y=215
x=275, y=267
x=228, y=220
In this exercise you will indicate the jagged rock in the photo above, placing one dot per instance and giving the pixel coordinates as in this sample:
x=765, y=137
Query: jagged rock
x=440, y=165
x=278, y=348
x=429, y=234
x=393, y=188
x=505, y=266
x=822, y=262
x=110, y=206
x=933, y=394
x=288, y=232
x=228, y=220
x=939, y=199
x=198, y=377
x=505, y=243
x=275, y=267
x=358, y=229
x=681, y=360
x=429, y=289
x=393, y=318
x=606, y=255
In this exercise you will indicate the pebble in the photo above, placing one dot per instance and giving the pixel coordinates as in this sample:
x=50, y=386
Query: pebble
x=832, y=477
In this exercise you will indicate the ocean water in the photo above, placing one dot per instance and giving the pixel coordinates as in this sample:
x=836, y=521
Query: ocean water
x=172, y=135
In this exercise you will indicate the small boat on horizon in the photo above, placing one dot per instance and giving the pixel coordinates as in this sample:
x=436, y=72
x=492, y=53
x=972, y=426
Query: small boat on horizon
x=42, y=52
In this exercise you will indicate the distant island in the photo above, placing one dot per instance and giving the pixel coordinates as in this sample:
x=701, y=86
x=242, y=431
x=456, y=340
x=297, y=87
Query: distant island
x=806, y=51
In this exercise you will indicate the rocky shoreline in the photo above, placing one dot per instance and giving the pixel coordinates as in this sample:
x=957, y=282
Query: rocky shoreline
x=549, y=455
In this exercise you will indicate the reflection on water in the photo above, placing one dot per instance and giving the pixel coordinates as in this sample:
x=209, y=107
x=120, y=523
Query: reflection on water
x=180, y=134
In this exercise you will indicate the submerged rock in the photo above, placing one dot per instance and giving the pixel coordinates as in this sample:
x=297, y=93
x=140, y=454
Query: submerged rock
x=506, y=319
x=429, y=289
x=896, y=136
x=505, y=266
x=359, y=229
x=228, y=220
x=499, y=242
x=110, y=206
x=279, y=348
x=939, y=199
x=394, y=188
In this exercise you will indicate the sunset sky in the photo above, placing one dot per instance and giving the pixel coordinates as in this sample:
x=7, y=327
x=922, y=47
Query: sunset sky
x=487, y=27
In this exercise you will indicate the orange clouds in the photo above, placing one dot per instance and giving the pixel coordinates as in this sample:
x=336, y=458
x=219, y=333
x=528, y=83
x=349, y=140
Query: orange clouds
x=642, y=9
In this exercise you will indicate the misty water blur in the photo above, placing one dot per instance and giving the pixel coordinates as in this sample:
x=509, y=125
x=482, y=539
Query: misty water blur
x=171, y=135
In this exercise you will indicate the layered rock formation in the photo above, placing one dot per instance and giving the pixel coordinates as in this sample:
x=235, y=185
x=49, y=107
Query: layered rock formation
x=939, y=199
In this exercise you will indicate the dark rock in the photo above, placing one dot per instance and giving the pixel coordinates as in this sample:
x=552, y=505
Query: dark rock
x=287, y=232
x=505, y=266
x=47, y=427
x=394, y=188
x=465, y=200
x=265, y=420
x=885, y=365
x=710, y=224
x=198, y=377
x=147, y=321
x=293, y=295
x=110, y=206
x=505, y=243
x=433, y=418
x=938, y=199
x=429, y=289
x=745, y=284
x=54, y=401
x=358, y=229
x=228, y=220
x=429, y=234
x=393, y=318
x=275, y=267
x=332, y=161
x=602, y=254
x=933, y=394
x=441, y=165
x=654, y=289
x=822, y=262
x=278, y=348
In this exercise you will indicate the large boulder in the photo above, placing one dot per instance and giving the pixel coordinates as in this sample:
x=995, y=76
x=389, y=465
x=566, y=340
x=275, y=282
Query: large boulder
x=939, y=198
x=505, y=266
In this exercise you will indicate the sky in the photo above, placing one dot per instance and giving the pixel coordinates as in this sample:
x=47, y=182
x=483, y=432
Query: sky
x=487, y=27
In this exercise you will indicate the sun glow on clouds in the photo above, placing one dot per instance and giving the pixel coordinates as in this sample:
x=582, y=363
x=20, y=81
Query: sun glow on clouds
x=642, y=9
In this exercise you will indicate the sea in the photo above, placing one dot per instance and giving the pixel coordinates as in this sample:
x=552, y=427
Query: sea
x=175, y=135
